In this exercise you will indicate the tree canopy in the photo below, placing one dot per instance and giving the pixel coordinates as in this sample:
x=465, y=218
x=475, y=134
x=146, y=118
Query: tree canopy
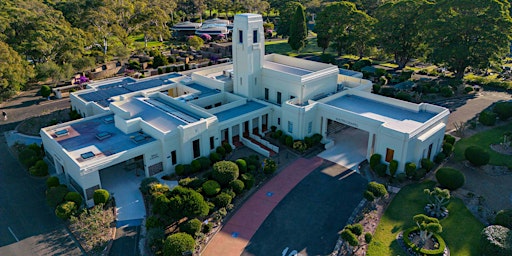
x=298, y=29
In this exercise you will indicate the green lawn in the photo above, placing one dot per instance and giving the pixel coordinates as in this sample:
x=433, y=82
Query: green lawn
x=461, y=230
x=282, y=47
x=485, y=139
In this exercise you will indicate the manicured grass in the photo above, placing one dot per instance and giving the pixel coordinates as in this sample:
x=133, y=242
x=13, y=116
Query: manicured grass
x=484, y=140
x=138, y=42
x=461, y=230
x=282, y=47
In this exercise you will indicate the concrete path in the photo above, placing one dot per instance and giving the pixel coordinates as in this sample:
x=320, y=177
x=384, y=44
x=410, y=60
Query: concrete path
x=235, y=235
x=349, y=148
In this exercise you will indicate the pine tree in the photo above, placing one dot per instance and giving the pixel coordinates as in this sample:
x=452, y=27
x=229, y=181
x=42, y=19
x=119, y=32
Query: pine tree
x=298, y=30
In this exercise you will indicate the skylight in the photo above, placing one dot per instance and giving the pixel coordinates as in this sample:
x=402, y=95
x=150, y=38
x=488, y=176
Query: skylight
x=103, y=135
x=62, y=132
x=87, y=155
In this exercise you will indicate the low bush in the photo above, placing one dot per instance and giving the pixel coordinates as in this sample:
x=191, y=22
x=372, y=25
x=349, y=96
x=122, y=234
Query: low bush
x=74, y=197
x=447, y=148
x=300, y=146
x=477, y=155
x=468, y=89
x=55, y=195
x=179, y=169
x=193, y=183
x=393, y=167
x=211, y=188
x=28, y=157
x=191, y=227
x=269, y=166
x=195, y=165
x=377, y=189
x=503, y=110
x=317, y=138
x=375, y=159
x=146, y=183
x=288, y=141
x=159, y=188
x=504, y=218
x=52, y=181
x=449, y=139
x=439, y=157
x=178, y=243
x=153, y=222
x=368, y=237
x=221, y=151
x=410, y=169
x=227, y=147
x=381, y=169
x=155, y=238
x=308, y=141
x=248, y=180
x=423, y=251
x=224, y=172
x=222, y=200
x=40, y=169
x=401, y=177
x=100, y=196
x=205, y=163
x=427, y=164
x=161, y=204
x=242, y=165
x=357, y=229
x=487, y=118
x=65, y=210
x=207, y=228
x=419, y=174
x=446, y=91
x=450, y=178
x=229, y=191
x=215, y=157
x=237, y=186
x=496, y=240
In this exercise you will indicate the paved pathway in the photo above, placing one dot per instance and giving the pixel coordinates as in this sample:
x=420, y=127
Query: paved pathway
x=235, y=235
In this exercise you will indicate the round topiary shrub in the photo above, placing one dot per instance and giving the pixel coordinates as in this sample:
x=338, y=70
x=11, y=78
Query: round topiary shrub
x=64, y=210
x=248, y=180
x=52, y=182
x=427, y=164
x=419, y=174
x=242, y=165
x=375, y=160
x=269, y=166
x=449, y=139
x=214, y=157
x=224, y=172
x=221, y=151
x=439, y=157
x=410, y=169
x=237, y=186
x=205, y=163
x=450, y=178
x=195, y=165
x=222, y=200
x=74, y=197
x=40, y=169
x=179, y=169
x=381, y=169
x=447, y=148
x=496, y=240
x=504, y=218
x=227, y=147
x=191, y=227
x=178, y=243
x=211, y=188
x=100, y=196
x=28, y=157
x=377, y=189
x=477, y=155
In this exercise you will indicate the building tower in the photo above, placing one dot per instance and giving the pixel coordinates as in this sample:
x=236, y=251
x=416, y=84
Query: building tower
x=248, y=51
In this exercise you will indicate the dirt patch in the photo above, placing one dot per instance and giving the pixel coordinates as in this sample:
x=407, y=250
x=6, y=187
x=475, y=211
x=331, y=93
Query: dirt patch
x=33, y=125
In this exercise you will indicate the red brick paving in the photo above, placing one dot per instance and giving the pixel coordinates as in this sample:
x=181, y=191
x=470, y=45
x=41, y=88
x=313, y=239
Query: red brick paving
x=251, y=215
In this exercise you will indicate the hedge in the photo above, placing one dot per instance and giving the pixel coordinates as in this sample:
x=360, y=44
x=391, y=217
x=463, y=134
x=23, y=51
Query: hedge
x=191, y=227
x=65, y=210
x=237, y=186
x=100, y=196
x=496, y=240
x=450, y=178
x=487, y=118
x=437, y=252
x=477, y=155
x=224, y=172
x=503, y=110
x=74, y=197
x=504, y=218
x=211, y=188
x=178, y=243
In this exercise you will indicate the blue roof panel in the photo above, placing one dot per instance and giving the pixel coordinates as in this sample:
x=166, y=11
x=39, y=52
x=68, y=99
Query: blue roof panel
x=238, y=111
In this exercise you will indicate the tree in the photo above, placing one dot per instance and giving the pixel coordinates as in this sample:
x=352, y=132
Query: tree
x=178, y=243
x=469, y=33
x=298, y=29
x=286, y=13
x=428, y=227
x=349, y=238
x=185, y=202
x=438, y=199
x=14, y=71
x=45, y=91
x=399, y=30
x=195, y=41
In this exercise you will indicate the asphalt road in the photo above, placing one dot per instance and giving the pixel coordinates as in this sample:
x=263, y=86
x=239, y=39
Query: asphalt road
x=308, y=219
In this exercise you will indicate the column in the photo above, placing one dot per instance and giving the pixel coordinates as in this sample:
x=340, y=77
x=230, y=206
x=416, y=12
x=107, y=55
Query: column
x=324, y=127
x=230, y=135
x=260, y=125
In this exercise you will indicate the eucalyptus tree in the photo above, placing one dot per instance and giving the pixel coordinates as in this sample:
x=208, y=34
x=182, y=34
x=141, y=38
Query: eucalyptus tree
x=14, y=71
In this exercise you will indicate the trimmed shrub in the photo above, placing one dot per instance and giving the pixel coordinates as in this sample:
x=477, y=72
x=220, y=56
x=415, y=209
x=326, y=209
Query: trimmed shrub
x=100, y=196
x=159, y=188
x=496, y=240
x=52, y=182
x=317, y=138
x=242, y=165
x=289, y=141
x=381, y=169
x=308, y=141
x=423, y=251
x=349, y=237
x=477, y=155
x=273, y=128
x=503, y=110
x=45, y=91
x=195, y=165
x=375, y=159
x=211, y=188
x=269, y=166
x=229, y=191
x=450, y=178
x=427, y=164
x=55, y=195
x=368, y=237
x=153, y=222
x=207, y=228
x=222, y=200
x=439, y=157
x=237, y=186
x=191, y=227
x=300, y=146
x=224, y=172
x=447, y=148
x=74, y=197
x=357, y=229
x=155, y=238
x=179, y=169
x=449, y=139
x=401, y=177
x=504, y=218
x=65, y=210
x=193, y=183
x=227, y=147
x=410, y=169
x=221, y=151
x=377, y=189
x=187, y=169
x=205, y=163
x=446, y=91
x=248, y=180
x=419, y=174
x=28, y=157
x=178, y=243
x=368, y=196
x=487, y=118
x=215, y=157
x=146, y=183
x=393, y=167
x=160, y=202
x=185, y=202
x=40, y=169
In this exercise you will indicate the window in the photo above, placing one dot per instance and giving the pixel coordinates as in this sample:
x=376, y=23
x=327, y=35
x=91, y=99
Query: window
x=174, y=160
x=278, y=121
x=196, y=148
x=255, y=36
x=292, y=97
x=266, y=93
x=310, y=127
x=429, y=151
x=389, y=154
x=290, y=127
x=212, y=144
x=278, y=97
x=240, y=36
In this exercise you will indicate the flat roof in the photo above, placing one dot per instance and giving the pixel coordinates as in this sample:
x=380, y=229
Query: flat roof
x=238, y=111
x=127, y=85
x=158, y=113
x=395, y=117
x=88, y=136
x=286, y=68
x=205, y=91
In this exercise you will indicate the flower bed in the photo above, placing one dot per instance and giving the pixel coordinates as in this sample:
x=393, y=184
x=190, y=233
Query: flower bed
x=436, y=246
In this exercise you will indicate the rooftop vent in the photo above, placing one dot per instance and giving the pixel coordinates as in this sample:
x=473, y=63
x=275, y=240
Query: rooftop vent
x=139, y=138
x=87, y=155
x=108, y=120
x=61, y=133
x=103, y=135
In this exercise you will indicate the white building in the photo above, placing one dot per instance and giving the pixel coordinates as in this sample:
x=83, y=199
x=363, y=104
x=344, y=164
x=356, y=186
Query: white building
x=163, y=121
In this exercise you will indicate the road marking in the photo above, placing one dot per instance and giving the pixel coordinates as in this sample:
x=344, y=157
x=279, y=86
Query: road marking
x=12, y=233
